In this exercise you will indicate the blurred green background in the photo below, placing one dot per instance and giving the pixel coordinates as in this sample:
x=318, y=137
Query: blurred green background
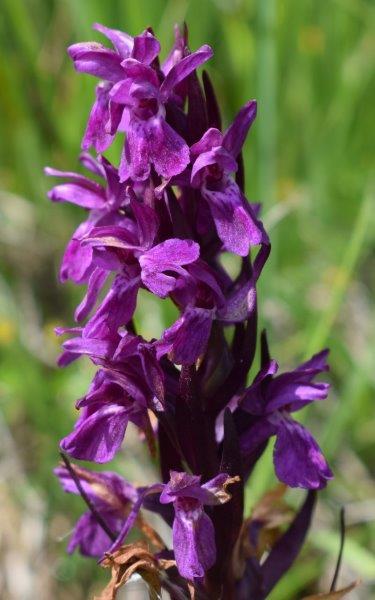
x=310, y=65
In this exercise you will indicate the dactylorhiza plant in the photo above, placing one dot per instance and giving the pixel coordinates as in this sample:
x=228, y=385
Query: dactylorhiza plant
x=161, y=221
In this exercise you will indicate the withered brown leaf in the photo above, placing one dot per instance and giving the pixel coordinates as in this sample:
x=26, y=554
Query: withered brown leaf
x=333, y=595
x=130, y=559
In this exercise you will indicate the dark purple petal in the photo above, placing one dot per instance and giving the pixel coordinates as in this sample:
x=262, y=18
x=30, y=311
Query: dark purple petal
x=99, y=436
x=96, y=60
x=77, y=178
x=112, y=236
x=235, y=135
x=186, y=340
x=316, y=364
x=132, y=516
x=141, y=81
x=182, y=69
x=259, y=431
x=91, y=164
x=116, y=309
x=240, y=303
x=193, y=543
x=299, y=461
x=147, y=222
x=180, y=484
x=95, y=348
x=89, y=537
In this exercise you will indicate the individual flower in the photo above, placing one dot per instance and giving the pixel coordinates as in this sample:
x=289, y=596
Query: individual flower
x=214, y=158
x=270, y=400
x=193, y=531
x=133, y=95
x=112, y=498
x=101, y=199
x=130, y=384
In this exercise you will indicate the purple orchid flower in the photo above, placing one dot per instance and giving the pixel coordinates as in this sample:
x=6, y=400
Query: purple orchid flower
x=122, y=392
x=214, y=159
x=133, y=97
x=193, y=531
x=298, y=459
x=112, y=497
x=100, y=61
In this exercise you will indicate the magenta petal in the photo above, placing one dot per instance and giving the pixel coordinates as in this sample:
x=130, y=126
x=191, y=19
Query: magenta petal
x=217, y=156
x=77, y=260
x=135, y=159
x=147, y=221
x=98, y=436
x=169, y=152
x=120, y=40
x=177, y=51
x=146, y=48
x=182, y=69
x=193, y=543
x=299, y=461
x=236, y=226
x=77, y=194
x=113, y=236
x=167, y=256
x=97, y=60
x=96, y=134
x=236, y=134
x=95, y=284
x=186, y=340
x=213, y=137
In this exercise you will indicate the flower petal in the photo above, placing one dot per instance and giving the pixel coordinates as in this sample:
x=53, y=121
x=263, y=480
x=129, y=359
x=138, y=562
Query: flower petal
x=99, y=436
x=186, y=340
x=95, y=284
x=77, y=194
x=169, y=152
x=193, y=543
x=116, y=309
x=89, y=536
x=236, y=225
x=182, y=69
x=120, y=40
x=235, y=135
x=299, y=461
x=96, y=134
x=167, y=256
x=146, y=47
x=135, y=158
x=97, y=60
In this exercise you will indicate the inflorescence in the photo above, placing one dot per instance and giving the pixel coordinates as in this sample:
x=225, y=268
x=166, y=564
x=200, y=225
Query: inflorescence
x=161, y=222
